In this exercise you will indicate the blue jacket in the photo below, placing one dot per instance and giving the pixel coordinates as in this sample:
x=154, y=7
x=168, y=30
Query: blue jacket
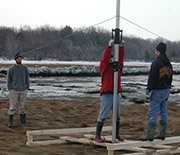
x=160, y=76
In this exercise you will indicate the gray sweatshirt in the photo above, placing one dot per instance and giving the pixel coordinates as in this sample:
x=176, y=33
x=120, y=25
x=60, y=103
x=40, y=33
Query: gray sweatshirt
x=18, y=78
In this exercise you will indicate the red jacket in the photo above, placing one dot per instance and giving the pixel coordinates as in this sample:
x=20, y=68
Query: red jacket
x=107, y=71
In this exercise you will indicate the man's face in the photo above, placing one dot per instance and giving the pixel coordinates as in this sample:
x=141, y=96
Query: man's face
x=19, y=60
x=157, y=53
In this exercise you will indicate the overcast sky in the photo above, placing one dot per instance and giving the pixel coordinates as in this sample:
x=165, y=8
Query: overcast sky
x=158, y=16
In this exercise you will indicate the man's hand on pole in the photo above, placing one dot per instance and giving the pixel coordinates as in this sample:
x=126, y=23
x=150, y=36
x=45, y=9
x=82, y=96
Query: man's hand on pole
x=122, y=43
x=110, y=43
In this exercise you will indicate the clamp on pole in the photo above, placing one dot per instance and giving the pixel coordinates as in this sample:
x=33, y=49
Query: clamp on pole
x=117, y=40
x=118, y=35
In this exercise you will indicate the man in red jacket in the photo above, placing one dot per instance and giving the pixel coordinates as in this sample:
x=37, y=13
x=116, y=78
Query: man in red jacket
x=107, y=87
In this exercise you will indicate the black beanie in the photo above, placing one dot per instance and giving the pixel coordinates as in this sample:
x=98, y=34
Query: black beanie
x=17, y=55
x=161, y=47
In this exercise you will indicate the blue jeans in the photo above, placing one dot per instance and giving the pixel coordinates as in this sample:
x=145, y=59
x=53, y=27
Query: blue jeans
x=158, y=104
x=106, y=106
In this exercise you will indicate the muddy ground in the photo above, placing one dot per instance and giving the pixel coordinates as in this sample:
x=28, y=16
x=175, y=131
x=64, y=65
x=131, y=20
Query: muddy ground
x=76, y=113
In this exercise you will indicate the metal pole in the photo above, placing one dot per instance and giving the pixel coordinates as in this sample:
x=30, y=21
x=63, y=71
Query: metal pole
x=116, y=59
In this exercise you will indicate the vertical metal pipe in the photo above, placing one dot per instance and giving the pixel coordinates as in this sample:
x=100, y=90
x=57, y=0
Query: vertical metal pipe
x=116, y=58
x=117, y=13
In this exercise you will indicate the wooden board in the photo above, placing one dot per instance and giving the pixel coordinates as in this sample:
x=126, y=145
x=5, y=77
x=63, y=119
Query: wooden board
x=158, y=146
x=105, y=138
x=139, y=144
x=66, y=131
x=47, y=142
x=130, y=144
x=174, y=151
x=31, y=134
x=166, y=149
x=109, y=139
x=83, y=141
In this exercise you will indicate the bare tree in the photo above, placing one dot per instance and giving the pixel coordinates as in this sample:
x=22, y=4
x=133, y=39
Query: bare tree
x=78, y=44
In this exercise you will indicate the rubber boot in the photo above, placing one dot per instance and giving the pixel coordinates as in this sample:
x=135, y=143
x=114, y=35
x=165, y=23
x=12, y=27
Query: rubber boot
x=10, y=123
x=162, y=131
x=98, y=132
x=118, y=137
x=150, y=133
x=23, y=119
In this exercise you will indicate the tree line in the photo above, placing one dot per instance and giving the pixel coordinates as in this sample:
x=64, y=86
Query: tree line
x=85, y=44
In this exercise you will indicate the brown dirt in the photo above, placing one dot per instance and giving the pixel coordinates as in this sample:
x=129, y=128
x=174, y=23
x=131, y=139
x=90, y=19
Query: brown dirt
x=53, y=114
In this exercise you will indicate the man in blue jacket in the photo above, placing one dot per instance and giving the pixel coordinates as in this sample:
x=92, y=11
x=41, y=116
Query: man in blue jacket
x=159, y=83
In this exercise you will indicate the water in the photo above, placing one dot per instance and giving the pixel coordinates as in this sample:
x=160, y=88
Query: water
x=66, y=87
x=60, y=88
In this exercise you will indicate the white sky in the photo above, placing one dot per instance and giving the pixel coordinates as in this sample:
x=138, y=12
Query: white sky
x=158, y=16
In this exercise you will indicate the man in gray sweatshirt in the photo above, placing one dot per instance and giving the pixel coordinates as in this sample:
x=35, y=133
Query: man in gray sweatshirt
x=18, y=85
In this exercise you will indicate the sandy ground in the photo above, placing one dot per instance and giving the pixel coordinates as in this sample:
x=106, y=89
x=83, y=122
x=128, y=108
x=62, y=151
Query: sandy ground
x=82, y=112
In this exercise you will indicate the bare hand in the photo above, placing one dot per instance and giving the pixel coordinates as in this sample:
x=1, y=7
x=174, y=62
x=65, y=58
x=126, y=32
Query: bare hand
x=110, y=42
x=122, y=43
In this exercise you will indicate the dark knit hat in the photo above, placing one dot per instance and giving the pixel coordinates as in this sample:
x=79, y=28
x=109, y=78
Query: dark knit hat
x=161, y=47
x=17, y=55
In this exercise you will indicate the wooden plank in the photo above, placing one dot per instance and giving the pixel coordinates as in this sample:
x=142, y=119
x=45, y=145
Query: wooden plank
x=176, y=151
x=158, y=152
x=164, y=147
x=47, y=142
x=109, y=139
x=66, y=131
x=173, y=151
x=110, y=152
x=170, y=140
x=138, y=149
x=29, y=139
x=130, y=144
x=30, y=134
x=87, y=141
x=105, y=138
x=83, y=141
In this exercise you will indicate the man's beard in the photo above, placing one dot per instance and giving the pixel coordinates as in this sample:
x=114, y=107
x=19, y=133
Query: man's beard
x=18, y=62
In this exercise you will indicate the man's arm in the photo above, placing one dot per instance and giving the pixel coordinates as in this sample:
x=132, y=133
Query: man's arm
x=9, y=80
x=27, y=78
x=106, y=56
